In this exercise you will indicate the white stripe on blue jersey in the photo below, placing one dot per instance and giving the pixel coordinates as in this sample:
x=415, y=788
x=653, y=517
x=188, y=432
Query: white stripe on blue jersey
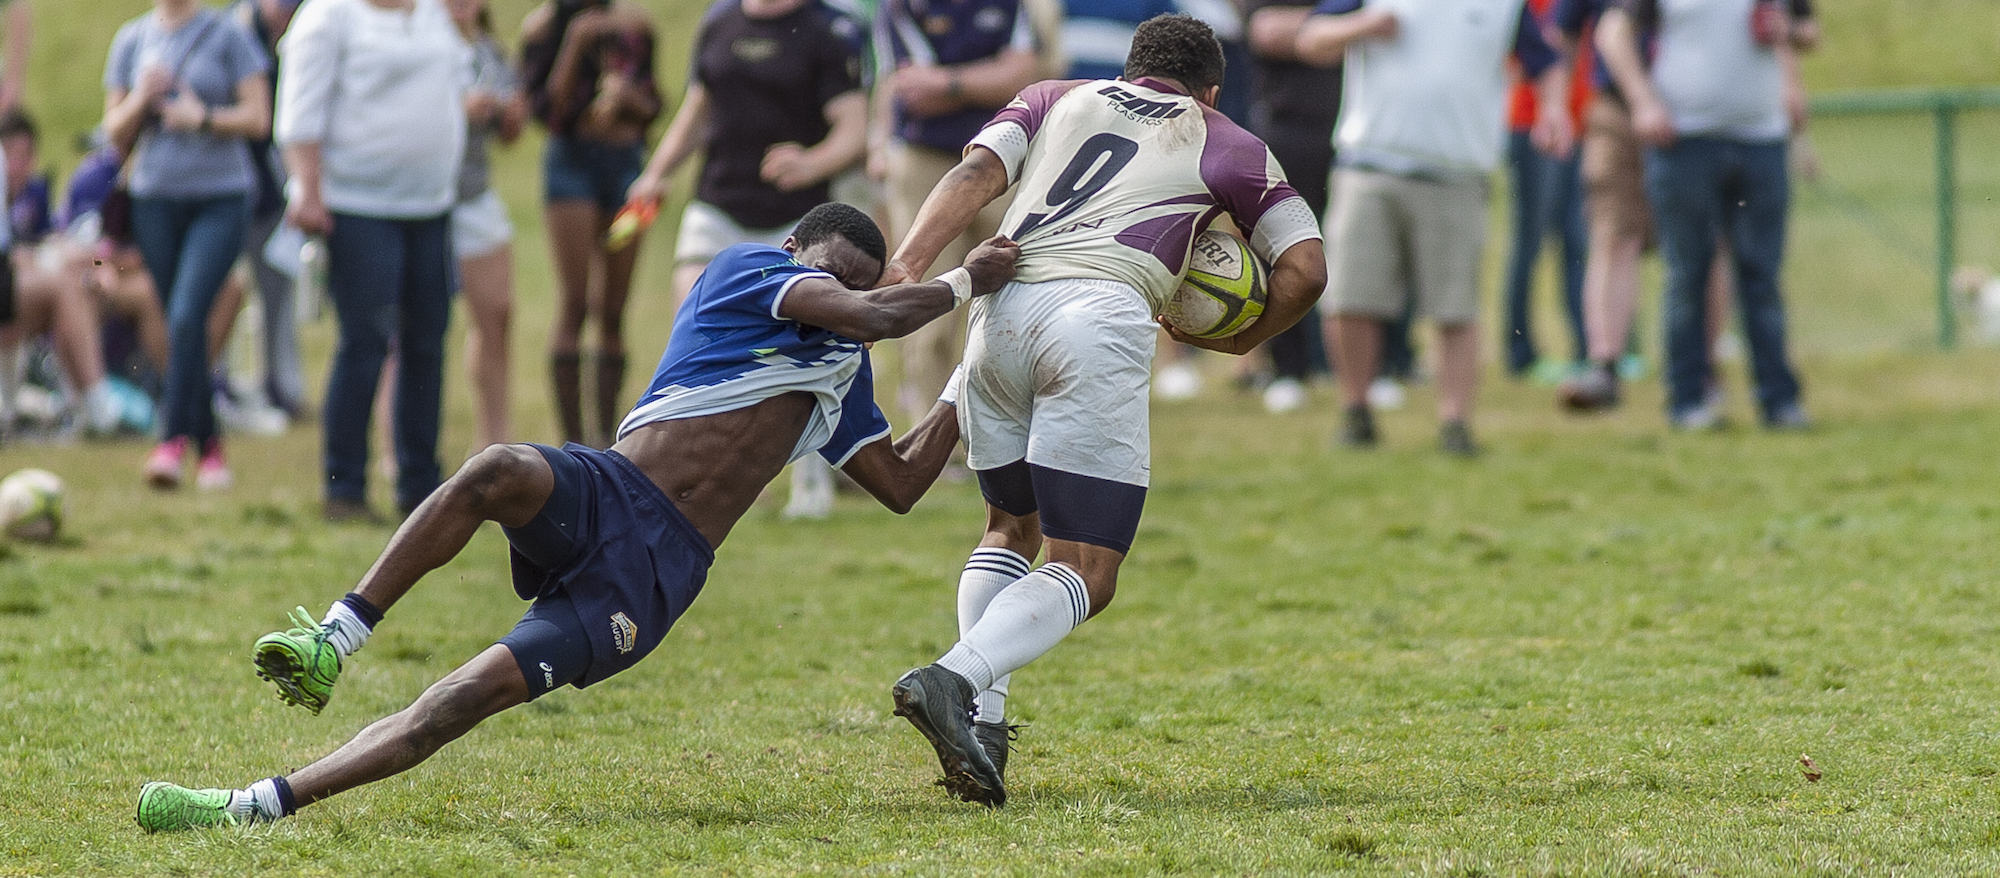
x=731, y=350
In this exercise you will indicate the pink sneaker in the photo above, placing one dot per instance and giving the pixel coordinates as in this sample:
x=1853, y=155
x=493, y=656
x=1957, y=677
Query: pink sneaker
x=163, y=466
x=213, y=473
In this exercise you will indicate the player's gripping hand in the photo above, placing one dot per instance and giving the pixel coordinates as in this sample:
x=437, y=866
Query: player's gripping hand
x=1234, y=344
x=991, y=264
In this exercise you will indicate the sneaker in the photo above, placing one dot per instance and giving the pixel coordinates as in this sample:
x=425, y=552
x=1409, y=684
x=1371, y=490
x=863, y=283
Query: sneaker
x=1700, y=419
x=1357, y=430
x=1788, y=418
x=163, y=466
x=212, y=474
x=301, y=661
x=993, y=738
x=939, y=703
x=1284, y=395
x=1387, y=394
x=350, y=512
x=1177, y=381
x=1455, y=439
x=164, y=807
x=248, y=414
x=1593, y=390
x=812, y=491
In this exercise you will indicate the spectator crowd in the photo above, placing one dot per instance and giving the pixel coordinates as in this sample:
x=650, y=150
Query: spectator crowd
x=254, y=158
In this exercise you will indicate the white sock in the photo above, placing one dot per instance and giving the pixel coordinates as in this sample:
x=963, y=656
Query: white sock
x=987, y=572
x=259, y=802
x=100, y=408
x=349, y=632
x=1024, y=621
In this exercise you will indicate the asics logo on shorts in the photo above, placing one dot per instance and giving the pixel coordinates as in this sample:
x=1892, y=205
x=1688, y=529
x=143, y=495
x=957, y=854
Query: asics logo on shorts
x=624, y=634
x=548, y=675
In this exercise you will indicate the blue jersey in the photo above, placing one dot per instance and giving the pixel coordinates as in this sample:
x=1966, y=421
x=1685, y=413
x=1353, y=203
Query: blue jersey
x=731, y=350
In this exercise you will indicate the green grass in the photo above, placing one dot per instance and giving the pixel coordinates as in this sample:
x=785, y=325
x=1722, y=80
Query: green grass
x=1600, y=651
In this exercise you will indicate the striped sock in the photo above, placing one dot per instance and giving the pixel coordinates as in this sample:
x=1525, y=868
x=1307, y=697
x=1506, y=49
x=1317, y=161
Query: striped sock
x=1024, y=621
x=265, y=800
x=350, y=623
x=987, y=572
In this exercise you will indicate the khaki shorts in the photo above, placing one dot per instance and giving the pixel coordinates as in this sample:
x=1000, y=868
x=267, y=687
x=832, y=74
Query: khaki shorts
x=1390, y=237
x=1614, y=173
x=706, y=231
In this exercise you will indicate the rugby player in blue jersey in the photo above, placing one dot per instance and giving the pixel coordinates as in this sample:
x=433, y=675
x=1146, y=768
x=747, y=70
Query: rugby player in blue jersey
x=767, y=364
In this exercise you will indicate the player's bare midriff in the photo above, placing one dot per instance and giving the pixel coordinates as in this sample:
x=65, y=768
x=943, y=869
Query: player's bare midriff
x=713, y=467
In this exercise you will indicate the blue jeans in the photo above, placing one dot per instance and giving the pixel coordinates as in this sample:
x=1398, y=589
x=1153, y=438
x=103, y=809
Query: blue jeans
x=390, y=281
x=1706, y=190
x=189, y=245
x=1548, y=196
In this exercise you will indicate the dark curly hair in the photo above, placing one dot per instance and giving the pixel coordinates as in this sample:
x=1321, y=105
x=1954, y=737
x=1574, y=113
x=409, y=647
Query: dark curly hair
x=843, y=220
x=1177, y=47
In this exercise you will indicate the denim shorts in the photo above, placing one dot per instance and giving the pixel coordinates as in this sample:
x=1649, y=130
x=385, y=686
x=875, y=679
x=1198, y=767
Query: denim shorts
x=610, y=563
x=583, y=170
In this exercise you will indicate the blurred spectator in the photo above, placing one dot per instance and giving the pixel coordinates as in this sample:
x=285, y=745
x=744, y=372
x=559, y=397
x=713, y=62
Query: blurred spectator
x=1548, y=197
x=587, y=68
x=371, y=120
x=40, y=292
x=1619, y=224
x=482, y=236
x=1712, y=108
x=776, y=108
x=1417, y=146
x=284, y=383
x=186, y=88
x=944, y=67
x=1294, y=109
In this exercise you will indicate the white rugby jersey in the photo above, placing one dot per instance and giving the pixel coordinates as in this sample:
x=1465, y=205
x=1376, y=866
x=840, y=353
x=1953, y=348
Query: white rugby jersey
x=1116, y=179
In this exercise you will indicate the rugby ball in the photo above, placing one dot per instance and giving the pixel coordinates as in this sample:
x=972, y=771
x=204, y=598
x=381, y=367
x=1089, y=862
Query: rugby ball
x=31, y=505
x=1223, y=292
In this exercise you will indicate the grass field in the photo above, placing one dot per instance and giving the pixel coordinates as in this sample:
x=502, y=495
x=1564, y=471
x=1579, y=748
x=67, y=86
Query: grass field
x=1601, y=650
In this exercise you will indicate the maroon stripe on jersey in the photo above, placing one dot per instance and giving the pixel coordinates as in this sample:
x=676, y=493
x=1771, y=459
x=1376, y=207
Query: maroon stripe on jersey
x=1032, y=105
x=1234, y=165
x=1168, y=238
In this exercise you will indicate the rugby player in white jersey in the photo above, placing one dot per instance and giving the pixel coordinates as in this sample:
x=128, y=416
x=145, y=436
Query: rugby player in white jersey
x=767, y=364
x=1116, y=177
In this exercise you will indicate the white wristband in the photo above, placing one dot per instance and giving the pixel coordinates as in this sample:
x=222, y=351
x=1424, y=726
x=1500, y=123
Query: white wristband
x=960, y=282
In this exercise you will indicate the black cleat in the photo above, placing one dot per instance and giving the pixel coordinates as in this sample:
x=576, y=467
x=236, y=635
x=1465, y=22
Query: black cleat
x=993, y=738
x=939, y=703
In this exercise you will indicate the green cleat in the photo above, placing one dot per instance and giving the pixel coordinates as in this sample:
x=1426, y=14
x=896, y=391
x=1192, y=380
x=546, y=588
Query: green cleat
x=301, y=661
x=164, y=807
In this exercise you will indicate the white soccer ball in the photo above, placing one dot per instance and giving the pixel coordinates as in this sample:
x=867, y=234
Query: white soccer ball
x=1223, y=292
x=31, y=505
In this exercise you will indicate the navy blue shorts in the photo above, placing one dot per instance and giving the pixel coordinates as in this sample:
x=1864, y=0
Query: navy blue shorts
x=610, y=563
x=583, y=170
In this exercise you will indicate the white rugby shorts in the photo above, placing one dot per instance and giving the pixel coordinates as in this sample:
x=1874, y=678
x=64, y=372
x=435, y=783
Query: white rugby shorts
x=1060, y=373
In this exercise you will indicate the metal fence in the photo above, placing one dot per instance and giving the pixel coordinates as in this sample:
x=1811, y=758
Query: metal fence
x=1944, y=107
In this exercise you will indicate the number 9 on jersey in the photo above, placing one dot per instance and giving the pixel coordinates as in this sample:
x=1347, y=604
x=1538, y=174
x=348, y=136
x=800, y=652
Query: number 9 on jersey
x=1223, y=292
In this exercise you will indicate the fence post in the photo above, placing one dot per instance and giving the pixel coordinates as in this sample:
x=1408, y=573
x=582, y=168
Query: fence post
x=1946, y=113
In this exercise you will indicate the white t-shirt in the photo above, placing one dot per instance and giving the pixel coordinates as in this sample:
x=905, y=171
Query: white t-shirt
x=382, y=91
x=1713, y=77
